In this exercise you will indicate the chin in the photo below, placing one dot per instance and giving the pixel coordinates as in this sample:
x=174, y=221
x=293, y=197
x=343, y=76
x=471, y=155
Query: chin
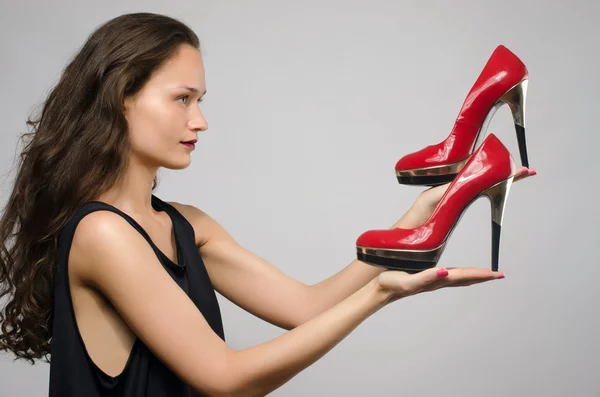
x=178, y=165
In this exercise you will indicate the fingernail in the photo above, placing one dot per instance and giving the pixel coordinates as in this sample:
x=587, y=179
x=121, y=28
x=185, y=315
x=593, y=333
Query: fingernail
x=442, y=273
x=500, y=276
x=532, y=172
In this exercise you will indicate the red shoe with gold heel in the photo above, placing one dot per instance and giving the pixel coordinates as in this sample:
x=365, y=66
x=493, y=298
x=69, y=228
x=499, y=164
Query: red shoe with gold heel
x=488, y=172
x=503, y=80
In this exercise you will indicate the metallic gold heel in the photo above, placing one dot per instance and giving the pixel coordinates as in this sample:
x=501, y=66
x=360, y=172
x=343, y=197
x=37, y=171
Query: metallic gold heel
x=497, y=195
x=515, y=98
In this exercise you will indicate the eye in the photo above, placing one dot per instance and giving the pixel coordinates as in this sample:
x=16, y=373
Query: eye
x=187, y=96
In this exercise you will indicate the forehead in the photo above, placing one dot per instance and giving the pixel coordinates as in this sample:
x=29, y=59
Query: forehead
x=185, y=67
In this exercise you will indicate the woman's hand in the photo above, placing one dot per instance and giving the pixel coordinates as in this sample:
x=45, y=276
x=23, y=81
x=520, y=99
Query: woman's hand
x=398, y=284
x=427, y=201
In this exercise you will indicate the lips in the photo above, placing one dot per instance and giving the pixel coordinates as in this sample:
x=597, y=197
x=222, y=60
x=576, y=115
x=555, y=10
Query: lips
x=191, y=141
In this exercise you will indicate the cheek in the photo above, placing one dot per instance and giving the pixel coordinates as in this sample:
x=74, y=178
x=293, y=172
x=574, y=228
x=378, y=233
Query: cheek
x=152, y=127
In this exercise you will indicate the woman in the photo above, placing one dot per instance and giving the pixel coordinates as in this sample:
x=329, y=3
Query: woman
x=118, y=285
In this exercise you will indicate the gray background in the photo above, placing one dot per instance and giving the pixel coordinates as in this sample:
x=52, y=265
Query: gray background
x=309, y=106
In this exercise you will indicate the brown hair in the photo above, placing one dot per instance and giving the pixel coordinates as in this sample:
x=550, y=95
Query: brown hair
x=75, y=151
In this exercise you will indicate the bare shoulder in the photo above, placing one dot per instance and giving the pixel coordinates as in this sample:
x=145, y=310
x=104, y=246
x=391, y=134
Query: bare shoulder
x=120, y=264
x=97, y=231
x=206, y=228
x=94, y=225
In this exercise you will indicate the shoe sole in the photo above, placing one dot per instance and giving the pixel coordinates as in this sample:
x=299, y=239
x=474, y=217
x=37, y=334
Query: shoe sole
x=431, y=176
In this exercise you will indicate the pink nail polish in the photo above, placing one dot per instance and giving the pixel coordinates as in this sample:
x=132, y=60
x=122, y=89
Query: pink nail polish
x=442, y=273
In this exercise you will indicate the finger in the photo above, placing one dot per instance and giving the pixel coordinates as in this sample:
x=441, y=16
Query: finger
x=524, y=172
x=467, y=283
x=460, y=274
x=418, y=281
x=521, y=173
x=463, y=277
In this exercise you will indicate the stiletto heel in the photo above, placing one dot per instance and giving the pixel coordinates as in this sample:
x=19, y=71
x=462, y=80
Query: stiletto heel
x=515, y=99
x=497, y=195
x=503, y=80
x=488, y=172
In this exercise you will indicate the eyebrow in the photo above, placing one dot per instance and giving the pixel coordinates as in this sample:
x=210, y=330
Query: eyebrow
x=192, y=89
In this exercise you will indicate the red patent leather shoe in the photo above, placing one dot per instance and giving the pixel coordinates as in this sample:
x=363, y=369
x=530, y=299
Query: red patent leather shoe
x=503, y=80
x=489, y=172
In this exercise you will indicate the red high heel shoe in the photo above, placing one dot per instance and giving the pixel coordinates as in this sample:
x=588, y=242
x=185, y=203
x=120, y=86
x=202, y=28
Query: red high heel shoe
x=503, y=80
x=489, y=171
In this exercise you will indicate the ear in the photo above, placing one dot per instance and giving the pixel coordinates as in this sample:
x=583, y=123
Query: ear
x=127, y=104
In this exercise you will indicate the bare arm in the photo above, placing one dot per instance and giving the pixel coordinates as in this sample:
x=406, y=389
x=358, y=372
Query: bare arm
x=337, y=287
x=262, y=289
x=123, y=267
x=357, y=274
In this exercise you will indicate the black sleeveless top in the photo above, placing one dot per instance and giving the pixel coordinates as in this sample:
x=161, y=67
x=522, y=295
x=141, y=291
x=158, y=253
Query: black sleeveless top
x=72, y=372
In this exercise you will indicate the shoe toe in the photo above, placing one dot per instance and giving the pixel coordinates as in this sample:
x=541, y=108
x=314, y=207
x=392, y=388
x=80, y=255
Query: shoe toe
x=371, y=238
x=385, y=238
x=426, y=157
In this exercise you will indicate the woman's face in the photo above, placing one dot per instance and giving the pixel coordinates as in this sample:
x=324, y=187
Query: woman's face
x=166, y=112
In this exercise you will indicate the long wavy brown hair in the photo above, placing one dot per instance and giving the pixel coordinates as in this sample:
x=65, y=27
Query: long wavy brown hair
x=75, y=150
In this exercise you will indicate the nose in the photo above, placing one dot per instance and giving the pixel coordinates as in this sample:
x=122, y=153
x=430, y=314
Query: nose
x=198, y=122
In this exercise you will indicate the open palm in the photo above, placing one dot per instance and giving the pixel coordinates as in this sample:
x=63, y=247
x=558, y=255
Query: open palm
x=401, y=284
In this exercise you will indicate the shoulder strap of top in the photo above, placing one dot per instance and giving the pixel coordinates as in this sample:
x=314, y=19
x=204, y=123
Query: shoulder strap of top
x=66, y=234
x=179, y=219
